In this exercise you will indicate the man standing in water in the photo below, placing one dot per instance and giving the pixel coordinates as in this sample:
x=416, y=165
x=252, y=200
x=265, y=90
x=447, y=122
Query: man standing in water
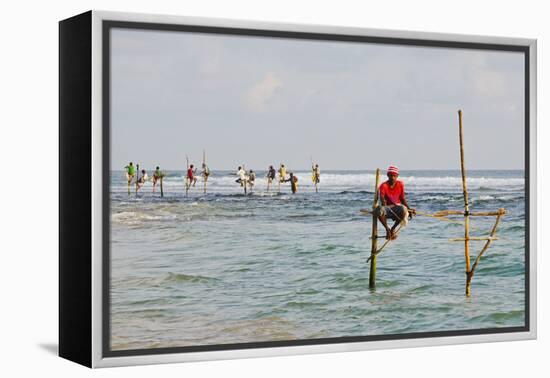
x=293, y=183
x=393, y=203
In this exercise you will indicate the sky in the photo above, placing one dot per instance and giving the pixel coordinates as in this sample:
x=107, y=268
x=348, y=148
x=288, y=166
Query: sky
x=347, y=105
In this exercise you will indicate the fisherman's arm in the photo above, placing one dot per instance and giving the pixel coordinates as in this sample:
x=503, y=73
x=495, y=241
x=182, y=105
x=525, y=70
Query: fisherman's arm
x=404, y=202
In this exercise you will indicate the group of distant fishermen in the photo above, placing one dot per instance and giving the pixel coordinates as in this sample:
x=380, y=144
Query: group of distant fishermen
x=248, y=179
x=191, y=177
x=141, y=180
x=244, y=178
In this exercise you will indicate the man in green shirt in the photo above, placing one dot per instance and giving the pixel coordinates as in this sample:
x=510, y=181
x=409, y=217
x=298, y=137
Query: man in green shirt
x=130, y=172
x=156, y=177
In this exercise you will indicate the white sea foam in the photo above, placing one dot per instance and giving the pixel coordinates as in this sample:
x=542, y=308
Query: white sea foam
x=349, y=181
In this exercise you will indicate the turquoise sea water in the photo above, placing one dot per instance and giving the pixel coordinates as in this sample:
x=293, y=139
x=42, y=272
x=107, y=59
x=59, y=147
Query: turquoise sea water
x=229, y=268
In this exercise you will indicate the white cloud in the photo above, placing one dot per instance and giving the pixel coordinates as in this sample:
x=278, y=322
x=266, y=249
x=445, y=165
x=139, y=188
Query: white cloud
x=258, y=95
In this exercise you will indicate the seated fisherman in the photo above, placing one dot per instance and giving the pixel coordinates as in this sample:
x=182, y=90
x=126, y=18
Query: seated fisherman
x=315, y=174
x=251, y=178
x=130, y=172
x=156, y=177
x=270, y=175
x=393, y=203
x=191, y=177
x=205, y=172
x=241, y=173
x=142, y=180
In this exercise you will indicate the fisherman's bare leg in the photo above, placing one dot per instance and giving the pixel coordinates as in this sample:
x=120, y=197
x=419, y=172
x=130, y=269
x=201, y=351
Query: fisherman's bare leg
x=392, y=230
x=383, y=220
x=398, y=214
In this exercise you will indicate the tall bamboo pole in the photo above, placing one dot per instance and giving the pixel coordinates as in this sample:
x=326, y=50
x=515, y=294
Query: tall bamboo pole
x=374, y=235
x=466, y=206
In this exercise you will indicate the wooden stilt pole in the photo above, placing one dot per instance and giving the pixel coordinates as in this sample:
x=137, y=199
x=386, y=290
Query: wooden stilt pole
x=205, y=177
x=374, y=235
x=161, y=191
x=466, y=207
x=187, y=181
x=445, y=213
x=137, y=178
x=491, y=237
x=245, y=180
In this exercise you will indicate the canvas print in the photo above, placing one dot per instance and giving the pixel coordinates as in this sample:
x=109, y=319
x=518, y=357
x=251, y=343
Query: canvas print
x=267, y=189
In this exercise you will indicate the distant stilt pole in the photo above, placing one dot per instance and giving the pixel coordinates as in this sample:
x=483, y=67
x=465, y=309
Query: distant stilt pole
x=187, y=181
x=205, y=177
x=137, y=178
x=161, y=191
x=374, y=235
x=466, y=208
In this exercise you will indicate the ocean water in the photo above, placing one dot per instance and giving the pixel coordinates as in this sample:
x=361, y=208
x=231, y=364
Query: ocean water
x=228, y=268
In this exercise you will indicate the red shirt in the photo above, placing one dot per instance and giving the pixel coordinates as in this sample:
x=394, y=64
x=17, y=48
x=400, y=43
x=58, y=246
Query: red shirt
x=392, y=196
x=190, y=173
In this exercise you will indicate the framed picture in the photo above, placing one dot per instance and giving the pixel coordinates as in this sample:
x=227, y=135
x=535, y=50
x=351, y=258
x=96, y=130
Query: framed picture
x=232, y=189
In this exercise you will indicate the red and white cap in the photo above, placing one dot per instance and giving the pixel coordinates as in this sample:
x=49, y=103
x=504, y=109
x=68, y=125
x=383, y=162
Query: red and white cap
x=393, y=170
